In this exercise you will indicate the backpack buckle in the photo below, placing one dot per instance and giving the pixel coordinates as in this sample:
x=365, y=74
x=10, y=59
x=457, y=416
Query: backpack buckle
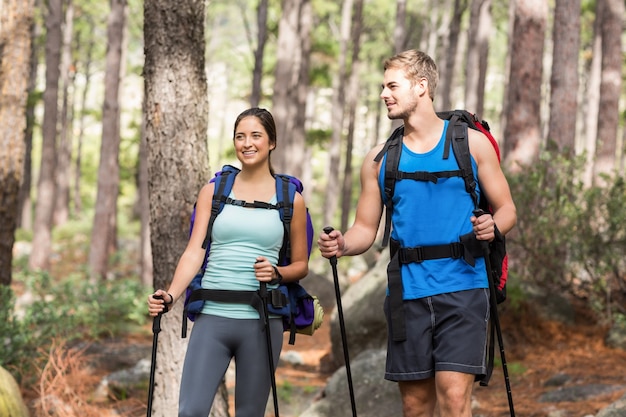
x=409, y=255
x=456, y=250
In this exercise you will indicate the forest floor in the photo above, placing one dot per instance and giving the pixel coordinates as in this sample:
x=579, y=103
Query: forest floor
x=535, y=352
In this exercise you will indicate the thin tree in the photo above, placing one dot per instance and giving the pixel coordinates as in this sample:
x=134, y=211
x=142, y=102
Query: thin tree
x=611, y=13
x=64, y=146
x=176, y=121
x=257, y=72
x=25, y=217
x=291, y=85
x=15, y=44
x=340, y=80
x=46, y=184
x=564, y=77
x=104, y=231
x=479, y=32
x=523, y=128
x=352, y=102
x=447, y=70
x=399, y=30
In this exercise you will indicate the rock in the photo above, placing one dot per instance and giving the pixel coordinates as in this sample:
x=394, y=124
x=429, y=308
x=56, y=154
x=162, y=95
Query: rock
x=617, y=409
x=11, y=402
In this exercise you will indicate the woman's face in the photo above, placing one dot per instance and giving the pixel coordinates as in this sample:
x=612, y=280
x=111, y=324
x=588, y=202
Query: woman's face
x=252, y=143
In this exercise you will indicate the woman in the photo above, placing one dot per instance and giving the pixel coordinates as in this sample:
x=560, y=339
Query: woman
x=245, y=244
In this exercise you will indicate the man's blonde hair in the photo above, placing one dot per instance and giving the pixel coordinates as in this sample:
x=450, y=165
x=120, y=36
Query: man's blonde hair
x=417, y=65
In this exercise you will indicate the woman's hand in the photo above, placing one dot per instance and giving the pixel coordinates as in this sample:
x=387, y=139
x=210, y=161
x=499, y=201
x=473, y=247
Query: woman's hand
x=159, y=302
x=265, y=271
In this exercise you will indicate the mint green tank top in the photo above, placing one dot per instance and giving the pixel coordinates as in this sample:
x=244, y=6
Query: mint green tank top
x=239, y=236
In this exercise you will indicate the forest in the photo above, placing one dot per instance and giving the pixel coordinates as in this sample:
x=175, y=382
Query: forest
x=114, y=114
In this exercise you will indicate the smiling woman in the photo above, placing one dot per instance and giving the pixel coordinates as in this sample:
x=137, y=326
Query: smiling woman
x=243, y=261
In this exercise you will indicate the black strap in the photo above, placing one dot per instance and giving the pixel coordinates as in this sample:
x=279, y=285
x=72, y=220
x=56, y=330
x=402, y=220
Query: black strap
x=287, y=215
x=252, y=298
x=216, y=204
x=393, y=149
x=396, y=302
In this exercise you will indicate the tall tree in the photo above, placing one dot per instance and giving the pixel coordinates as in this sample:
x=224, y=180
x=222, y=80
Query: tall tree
x=257, y=72
x=25, y=217
x=399, y=29
x=479, y=31
x=611, y=14
x=46, y=184
x=564, y=77
x=447, y=70
x=176, y=117
x=340, y=80
x=104, y=228
x=64, y=146
x=15, y=44
x=352, y=103
x=523, y=128
x=291, y=84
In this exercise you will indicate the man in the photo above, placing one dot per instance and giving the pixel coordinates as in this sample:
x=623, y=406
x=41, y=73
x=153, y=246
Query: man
x=440, y=351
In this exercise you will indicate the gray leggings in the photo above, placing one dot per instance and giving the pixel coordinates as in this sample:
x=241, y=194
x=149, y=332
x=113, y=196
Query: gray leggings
x=213, y=342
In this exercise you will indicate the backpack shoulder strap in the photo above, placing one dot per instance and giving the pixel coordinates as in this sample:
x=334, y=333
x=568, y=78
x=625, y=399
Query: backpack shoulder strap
x=286, y=188
x=457, y=134
x=393, y=148
x=224, y=181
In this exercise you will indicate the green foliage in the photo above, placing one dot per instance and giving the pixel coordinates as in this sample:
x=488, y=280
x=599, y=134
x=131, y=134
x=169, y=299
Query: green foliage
x=570, y=238
x=70, y=310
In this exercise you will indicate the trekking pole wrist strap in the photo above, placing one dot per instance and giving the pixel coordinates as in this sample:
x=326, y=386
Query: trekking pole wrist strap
x=278, y=279
x=171, y=299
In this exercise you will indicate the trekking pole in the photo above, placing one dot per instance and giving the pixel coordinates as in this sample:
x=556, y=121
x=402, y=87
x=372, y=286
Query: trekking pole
x=156, y=329
x=342, y=326
x=495, y=317
x=268, y=339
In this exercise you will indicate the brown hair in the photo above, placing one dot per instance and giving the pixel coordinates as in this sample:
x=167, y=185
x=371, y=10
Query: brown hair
x=417, y=65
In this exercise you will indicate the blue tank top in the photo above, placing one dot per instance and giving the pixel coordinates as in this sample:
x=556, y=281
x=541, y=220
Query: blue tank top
x=238, y=237
x=426, y=214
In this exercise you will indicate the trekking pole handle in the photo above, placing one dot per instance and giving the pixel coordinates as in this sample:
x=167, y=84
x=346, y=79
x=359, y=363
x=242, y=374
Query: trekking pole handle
x=156, y=323
x=328, y=230
x=479, y=212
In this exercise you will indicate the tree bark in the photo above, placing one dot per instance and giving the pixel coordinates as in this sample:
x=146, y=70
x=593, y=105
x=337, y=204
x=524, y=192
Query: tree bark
x=257, y=73
x=104, y=231
x=523, y=128
x=352, y=102
x=479, y=33
x=291, y=85
x=447, y=69
x=46, y=184
x=15, y=44
x=64, y=150
x=340, y=79
x=176, y=120
x=564, y=78
x=611, y=27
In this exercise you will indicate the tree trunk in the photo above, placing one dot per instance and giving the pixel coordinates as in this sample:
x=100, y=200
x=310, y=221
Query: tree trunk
x=15, y=44
x=449, y=63
x=523, y=128
x=564, y=78
x=64, y=150
x=352, y=103
x=77, y=202
x=104, y=231
x=612, y=23
x=291, y=85
x=340, y=79
x=46, y=185
x=257, y=73
x=176, y=130
x=479, y=33
x=147, y=273
x=399, y=30
x=591, y=103
x=25, y=217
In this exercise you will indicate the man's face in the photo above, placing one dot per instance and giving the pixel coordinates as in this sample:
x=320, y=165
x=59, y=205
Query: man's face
x=398, y=94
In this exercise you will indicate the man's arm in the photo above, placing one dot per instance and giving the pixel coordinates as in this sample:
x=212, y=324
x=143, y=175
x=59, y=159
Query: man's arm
x=362, y=234
x=493, y=184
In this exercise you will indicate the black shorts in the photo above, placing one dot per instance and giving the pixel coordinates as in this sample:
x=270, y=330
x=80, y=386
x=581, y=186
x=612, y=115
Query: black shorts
x=446, y=332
